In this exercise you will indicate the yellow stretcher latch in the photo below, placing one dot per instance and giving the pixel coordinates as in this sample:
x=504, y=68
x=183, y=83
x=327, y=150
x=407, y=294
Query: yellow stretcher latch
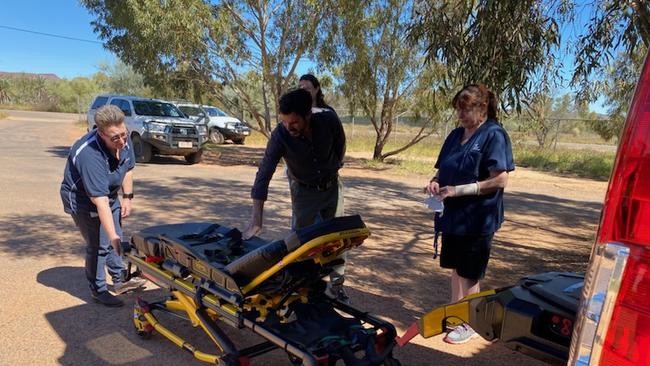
x=435, y=321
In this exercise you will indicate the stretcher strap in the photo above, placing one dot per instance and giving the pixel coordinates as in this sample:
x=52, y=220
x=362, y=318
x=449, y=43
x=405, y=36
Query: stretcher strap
x=436, y=234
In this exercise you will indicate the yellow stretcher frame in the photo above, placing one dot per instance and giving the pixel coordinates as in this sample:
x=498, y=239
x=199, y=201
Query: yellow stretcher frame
x=332, y=244
x=322, y=250
x=145, y=322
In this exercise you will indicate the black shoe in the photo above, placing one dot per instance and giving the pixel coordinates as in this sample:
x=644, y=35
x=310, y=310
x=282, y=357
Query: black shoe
x=107, y=299
x=337, y=293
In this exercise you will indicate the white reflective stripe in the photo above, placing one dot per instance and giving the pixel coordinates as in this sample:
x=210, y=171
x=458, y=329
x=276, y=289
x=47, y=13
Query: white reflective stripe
x=86, y=143
x=74, y=187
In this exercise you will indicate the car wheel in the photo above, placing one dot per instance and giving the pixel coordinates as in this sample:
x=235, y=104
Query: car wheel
x=216, y=136
x=194, y=157
x=141, y=149
x=239, y=140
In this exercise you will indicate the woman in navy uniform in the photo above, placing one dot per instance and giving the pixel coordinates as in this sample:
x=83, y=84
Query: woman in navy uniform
x=473, y=168
x=99, y=165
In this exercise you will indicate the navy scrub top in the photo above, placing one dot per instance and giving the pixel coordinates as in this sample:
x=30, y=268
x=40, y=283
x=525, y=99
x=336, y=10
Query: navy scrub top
x=488, y=150
x=91, y=171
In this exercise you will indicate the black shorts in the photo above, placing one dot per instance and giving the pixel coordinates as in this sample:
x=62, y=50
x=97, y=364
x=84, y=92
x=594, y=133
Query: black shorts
x=467, y=254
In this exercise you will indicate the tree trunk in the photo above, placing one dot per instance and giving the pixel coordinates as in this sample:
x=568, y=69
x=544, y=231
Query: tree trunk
x=379, y=147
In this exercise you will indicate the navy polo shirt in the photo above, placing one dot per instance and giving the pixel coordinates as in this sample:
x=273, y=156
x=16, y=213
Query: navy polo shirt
x=309, y=161
x=91, y=171
x=488, y=150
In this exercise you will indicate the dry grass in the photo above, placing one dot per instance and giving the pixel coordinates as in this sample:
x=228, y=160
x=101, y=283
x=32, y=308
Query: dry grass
x=420, y=158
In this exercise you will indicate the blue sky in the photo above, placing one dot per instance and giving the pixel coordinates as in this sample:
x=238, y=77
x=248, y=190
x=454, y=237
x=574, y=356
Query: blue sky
x=22, y=51
x=28, y=52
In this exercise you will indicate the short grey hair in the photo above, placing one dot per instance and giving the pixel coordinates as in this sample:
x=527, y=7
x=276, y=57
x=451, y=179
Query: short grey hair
x=108, y=116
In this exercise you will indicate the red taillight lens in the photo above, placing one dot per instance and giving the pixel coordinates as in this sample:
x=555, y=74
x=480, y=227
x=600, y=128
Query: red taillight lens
x=626, y=214
x=628, y=336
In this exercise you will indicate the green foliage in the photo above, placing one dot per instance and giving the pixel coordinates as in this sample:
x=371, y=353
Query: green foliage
x=122, y=79
x=73, y=95
x=202, y=50
x=503, y=44
x=380, y=73
x=616, y=28
x=583, y=163
x=618, y=88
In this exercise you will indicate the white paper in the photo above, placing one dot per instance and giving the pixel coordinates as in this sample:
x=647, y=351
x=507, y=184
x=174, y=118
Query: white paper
x=433, y=204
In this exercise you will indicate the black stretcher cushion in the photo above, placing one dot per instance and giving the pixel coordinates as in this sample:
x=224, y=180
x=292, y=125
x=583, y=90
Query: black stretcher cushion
x=189, y=242
x=252, y=264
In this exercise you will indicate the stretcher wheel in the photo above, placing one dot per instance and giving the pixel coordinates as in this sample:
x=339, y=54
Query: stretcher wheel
x=144, y=334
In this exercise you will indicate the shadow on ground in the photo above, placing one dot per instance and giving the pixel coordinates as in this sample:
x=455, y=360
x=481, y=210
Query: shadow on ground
x=396, y=260
x=97, y=335
x=59, y=151
x=393, y=274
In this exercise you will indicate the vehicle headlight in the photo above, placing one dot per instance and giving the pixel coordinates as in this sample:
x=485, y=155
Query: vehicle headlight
x=201, y=129
x=155, y=127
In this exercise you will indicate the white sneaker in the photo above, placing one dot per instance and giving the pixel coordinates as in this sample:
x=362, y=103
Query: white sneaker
x=461, y=334
x=132, y=284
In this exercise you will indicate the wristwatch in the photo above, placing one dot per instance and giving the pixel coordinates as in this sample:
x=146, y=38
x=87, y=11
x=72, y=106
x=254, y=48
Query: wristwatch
x=127, y=195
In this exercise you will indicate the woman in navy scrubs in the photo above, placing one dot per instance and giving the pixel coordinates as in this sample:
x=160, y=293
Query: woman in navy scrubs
x=99, y=165
x=473, y=168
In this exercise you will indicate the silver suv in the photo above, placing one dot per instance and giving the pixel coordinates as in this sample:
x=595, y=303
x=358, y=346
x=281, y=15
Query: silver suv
x=221, y=127
x=156, y=127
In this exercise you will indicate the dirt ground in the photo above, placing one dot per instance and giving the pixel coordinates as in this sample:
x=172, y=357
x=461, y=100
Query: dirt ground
x=47, y=316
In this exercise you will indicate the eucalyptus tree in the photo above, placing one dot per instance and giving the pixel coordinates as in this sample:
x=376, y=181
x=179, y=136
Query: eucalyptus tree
x=512, y=46
x=609, y=55
x=206, y=49
x=380, y=72
x=4, y=91
x=123, y=79
x=617, y=35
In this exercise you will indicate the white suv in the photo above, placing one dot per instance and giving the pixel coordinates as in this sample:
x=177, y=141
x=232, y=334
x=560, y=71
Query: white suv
x=221, y=127
x=156, y=127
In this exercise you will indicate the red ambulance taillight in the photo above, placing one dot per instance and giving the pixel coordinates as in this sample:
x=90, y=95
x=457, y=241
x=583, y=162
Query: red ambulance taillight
x=613, y=326
x=627, y=340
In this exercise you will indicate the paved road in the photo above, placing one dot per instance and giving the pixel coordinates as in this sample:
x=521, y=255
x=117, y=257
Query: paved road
x=48, y=318
x=46, y=314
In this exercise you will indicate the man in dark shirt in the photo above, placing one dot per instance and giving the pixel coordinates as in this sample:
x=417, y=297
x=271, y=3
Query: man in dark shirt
x=312, y=143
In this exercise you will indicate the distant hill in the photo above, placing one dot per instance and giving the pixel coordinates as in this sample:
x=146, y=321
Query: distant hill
x=4, y=74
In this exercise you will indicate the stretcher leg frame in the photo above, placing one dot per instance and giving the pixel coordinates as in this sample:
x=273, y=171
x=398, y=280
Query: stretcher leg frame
x=145, y=323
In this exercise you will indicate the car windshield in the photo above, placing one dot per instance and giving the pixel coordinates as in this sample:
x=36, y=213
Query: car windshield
x=215, y=112
x=191, y=111
x=157, y=109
